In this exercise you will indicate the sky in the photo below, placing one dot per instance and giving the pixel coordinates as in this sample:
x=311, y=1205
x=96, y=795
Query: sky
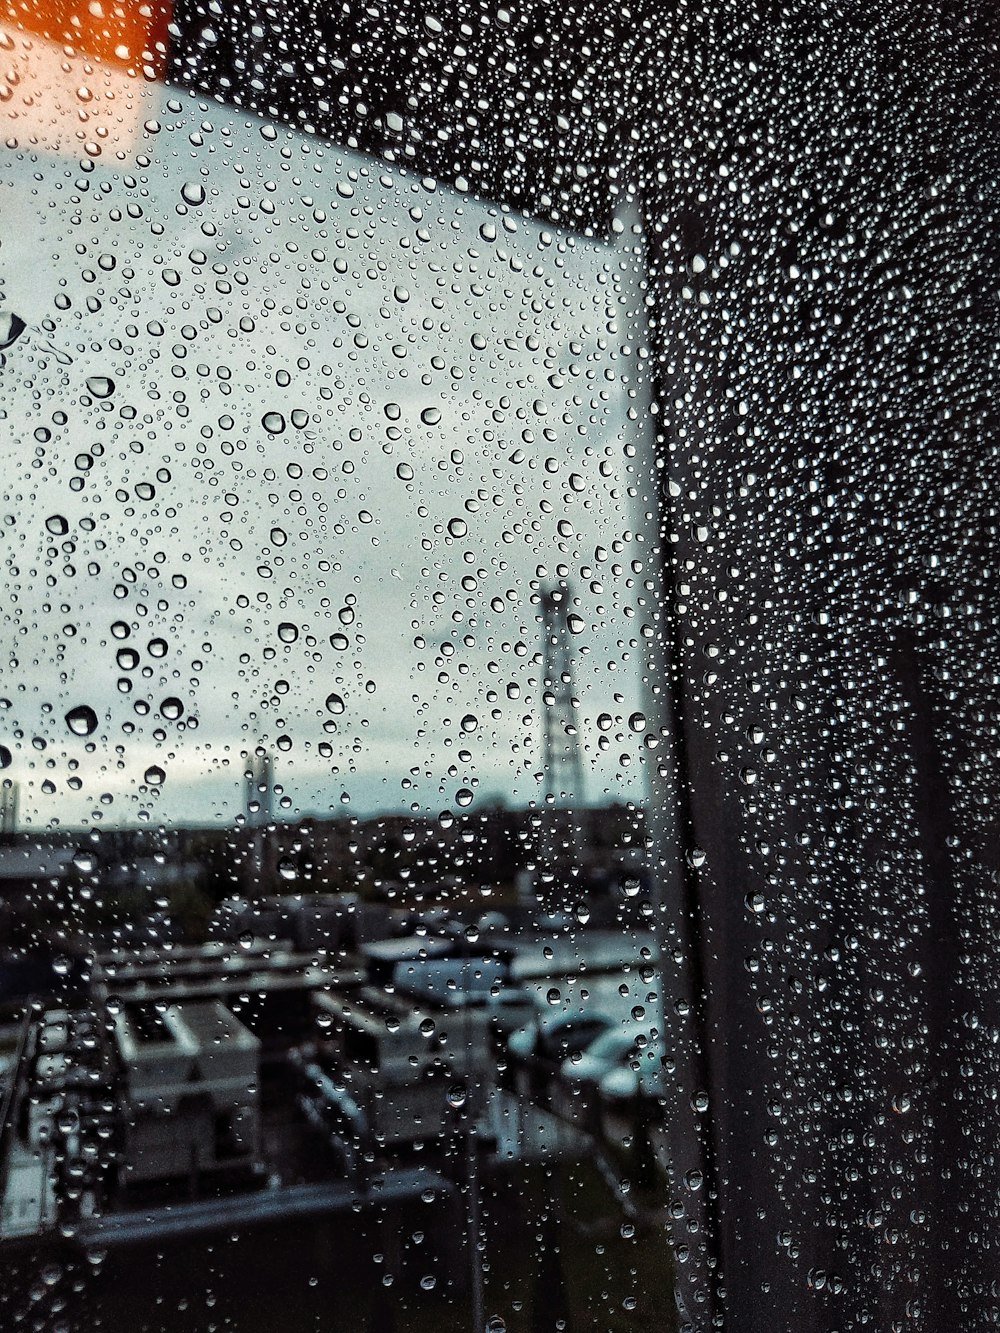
x=294, y=440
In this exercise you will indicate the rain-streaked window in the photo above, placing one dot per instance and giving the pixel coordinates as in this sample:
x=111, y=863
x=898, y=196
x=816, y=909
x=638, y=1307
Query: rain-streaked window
x=497, y=726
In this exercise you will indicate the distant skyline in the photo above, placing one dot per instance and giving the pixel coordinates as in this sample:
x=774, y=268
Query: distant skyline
x=298, y=438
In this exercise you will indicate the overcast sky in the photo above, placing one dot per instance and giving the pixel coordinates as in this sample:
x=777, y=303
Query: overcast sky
x=307, y=433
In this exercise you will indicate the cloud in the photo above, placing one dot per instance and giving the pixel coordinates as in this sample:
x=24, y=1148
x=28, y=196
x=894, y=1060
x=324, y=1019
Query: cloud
x=313, y=435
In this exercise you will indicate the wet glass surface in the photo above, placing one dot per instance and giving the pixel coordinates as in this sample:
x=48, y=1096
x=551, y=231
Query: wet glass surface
x=498, y=718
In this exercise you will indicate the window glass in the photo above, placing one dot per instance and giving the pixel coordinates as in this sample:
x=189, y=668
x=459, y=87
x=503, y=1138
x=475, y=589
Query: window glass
x=497, y=730
x=332, y=585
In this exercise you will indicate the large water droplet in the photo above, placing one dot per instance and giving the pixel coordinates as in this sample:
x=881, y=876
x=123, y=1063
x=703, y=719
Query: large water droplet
x=100, y=386
x=154, y=776
x=335, y=703
x=273, y=422
x=457, y=1095
x=11, y=328
x=82, y=720
x=193, y=193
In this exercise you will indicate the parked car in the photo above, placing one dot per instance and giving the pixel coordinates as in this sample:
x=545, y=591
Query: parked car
x=552, y=1041
x=616, y=1065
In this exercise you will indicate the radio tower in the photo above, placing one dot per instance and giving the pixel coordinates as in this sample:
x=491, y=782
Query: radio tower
x=258, y=779
x=561, y=842
x=9, y=792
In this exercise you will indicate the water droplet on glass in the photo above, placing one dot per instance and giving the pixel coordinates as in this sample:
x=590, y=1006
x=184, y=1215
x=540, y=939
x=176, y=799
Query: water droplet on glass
x=273, y=422
x=463, y=797
x=334, y=703
x=11, y=328
x=154, y=776
x=457, y=1095
x=193, y=193
x=100, y=386
x=82, y=720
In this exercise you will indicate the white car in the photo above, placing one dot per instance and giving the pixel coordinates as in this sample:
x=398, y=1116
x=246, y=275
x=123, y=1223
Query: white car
x=614, y=1064
x=553, y=1040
